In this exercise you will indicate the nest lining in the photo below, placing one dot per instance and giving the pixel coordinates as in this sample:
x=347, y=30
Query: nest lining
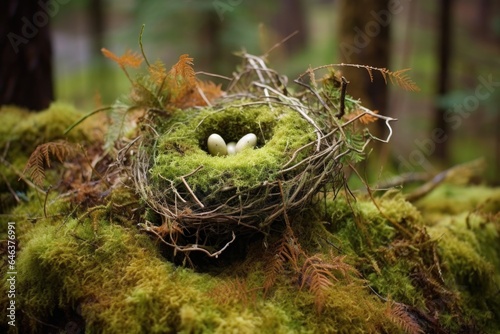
x=182, y=151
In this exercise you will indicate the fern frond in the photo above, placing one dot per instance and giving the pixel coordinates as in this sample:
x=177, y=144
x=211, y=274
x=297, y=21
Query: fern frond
x=319, y=274
x=399, y=78
x=158, y=74
x=210, y=90
x=397, y=314
x=286, y=252
x=182, y=74
x=365, y=119
x=128, y=59
x=318, y=278
x=41, y=158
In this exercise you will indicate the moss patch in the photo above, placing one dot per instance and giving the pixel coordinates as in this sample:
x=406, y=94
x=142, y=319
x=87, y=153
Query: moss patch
x=21, y=132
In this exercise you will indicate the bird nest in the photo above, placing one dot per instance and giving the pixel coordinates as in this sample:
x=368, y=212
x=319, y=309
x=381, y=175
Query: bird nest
x=304, y=138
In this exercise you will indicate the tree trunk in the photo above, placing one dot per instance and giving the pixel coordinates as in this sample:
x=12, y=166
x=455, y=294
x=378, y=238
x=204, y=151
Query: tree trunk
x=365, y=40
x=444, y=53
x=96, y=20
x=289, y=18
x=26, y=54
x=213, y=55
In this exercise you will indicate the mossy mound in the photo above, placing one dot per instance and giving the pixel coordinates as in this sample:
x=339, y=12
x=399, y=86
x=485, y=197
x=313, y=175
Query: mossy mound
x=22, y=131
x=103, y=277
x=98, y=275
x=448, y=264
x=182, y=150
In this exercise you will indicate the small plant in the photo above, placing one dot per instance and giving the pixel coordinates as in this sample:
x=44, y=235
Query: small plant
x=42, y=157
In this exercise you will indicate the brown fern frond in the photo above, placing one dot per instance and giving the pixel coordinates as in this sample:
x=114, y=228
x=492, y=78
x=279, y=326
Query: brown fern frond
x=158, y=73
x=274, y=268
x=286, y=252
x=41, y=158
x=182, y=83
x=319, y=279
x=401, y=79
x=319, y=274
x=210, y=90
x=365, y=119
x=397, y=313
x=182, y=73
x=128, y=59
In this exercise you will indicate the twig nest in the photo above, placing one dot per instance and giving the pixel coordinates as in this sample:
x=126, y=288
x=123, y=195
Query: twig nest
x=190, y=172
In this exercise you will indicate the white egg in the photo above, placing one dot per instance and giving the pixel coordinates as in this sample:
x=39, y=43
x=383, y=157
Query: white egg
x=231, y=148
x=216, y=145
x=247, y=141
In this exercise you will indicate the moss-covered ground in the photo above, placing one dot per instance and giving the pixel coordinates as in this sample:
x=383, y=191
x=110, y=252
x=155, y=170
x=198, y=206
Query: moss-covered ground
x=344, y=265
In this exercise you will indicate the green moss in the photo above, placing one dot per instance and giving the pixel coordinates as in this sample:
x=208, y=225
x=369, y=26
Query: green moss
x=470, y=248
x=182, y=150
x=118, y=281
x=362, y=225
x=454, y=199
x=31, y=129
x=21, y=132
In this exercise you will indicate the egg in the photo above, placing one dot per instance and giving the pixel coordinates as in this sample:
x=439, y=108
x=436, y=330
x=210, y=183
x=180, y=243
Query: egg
x=216, y=145
x=231, y=148
x=247, y=141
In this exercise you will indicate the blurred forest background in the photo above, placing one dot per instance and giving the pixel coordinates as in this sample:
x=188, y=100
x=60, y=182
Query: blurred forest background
x=451, y=46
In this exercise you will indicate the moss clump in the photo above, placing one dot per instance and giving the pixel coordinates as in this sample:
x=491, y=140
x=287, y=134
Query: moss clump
x=101, y=275
x=113, y=280
x=182, y=150
x=21, y=132
x=451, y=266
x=469, y=243
x=451, y=199
x=28, y=130
x=375, y=236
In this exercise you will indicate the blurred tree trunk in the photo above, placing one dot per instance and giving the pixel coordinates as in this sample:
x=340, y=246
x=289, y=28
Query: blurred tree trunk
x=365, y=40
x=95, y=17
x=444, y=53
x=96, y=20
x=25, y=54
x=291, y=17
x=213, y=52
